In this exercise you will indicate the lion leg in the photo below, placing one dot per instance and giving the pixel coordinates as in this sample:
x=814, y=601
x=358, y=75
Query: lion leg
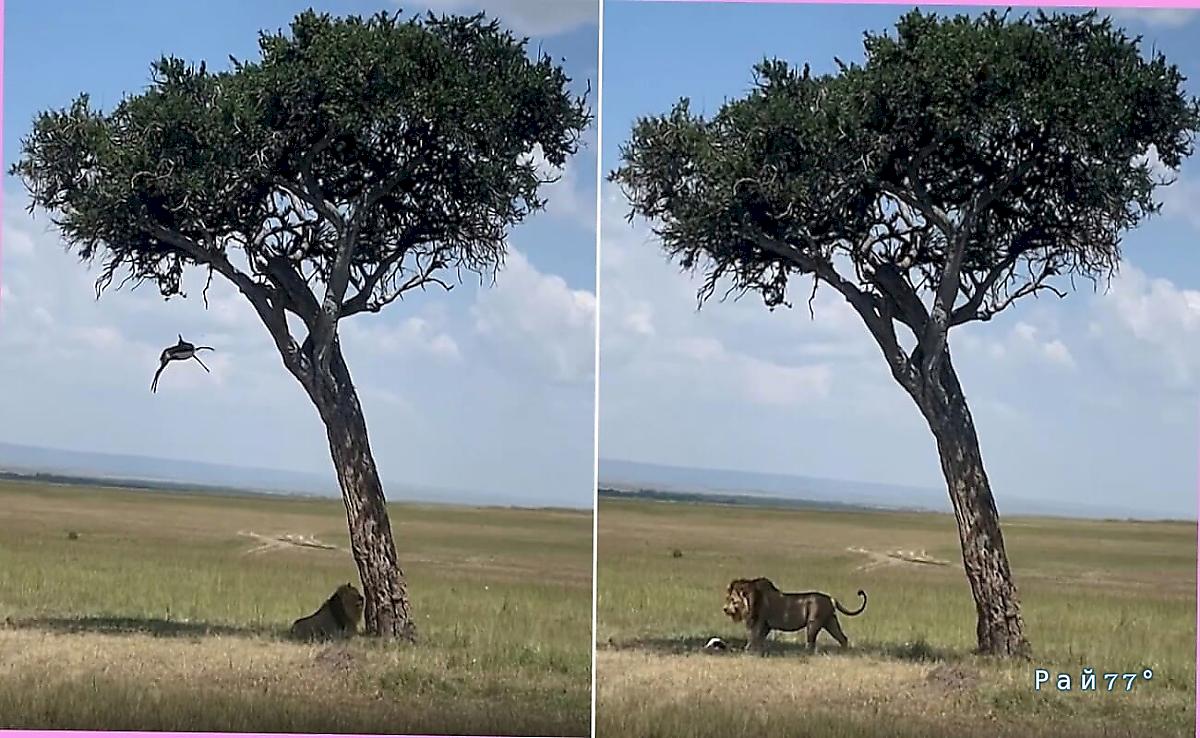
x=834, y=628
x=758, y=637
x=813, y=630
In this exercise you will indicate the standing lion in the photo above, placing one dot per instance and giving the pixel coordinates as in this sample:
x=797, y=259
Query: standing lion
x=762, y=607
x=337, y=618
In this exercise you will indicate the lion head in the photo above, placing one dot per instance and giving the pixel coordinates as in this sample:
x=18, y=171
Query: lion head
x=736, y=601
x=351, y=602
x=743, y=596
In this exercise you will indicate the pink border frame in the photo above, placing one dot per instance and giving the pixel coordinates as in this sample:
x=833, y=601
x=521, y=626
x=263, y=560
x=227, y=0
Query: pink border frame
x=2, y=14
x=1131, y=4
x=1111, y=4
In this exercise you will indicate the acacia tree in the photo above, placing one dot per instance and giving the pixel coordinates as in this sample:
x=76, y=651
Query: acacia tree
x=966, y=163
x=355, y=161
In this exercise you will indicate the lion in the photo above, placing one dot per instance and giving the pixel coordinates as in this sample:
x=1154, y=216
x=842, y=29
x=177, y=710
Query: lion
x=338, y=617
x=763, y=608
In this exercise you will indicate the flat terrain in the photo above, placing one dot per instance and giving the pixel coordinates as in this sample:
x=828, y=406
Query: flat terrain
x=126, y=610
x=1113, y=596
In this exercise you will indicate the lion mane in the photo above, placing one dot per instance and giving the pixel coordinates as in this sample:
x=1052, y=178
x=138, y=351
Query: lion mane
x=337, y=618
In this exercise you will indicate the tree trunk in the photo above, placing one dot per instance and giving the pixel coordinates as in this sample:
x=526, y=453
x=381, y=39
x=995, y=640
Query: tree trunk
x=387, y=611
x=999, y=627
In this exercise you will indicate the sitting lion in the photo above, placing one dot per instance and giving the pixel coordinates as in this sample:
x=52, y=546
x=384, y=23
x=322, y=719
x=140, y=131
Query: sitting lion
x=763, y=608
x=338, y=617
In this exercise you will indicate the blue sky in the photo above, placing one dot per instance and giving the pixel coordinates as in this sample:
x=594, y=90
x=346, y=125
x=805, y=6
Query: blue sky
x=484, y=389
x=1092, y=398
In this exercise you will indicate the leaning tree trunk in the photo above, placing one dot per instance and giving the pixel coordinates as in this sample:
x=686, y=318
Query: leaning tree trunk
x=999, y=628
x=387, y=610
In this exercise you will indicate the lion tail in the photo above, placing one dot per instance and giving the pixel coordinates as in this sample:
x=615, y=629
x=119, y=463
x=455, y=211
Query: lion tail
x=862, y=595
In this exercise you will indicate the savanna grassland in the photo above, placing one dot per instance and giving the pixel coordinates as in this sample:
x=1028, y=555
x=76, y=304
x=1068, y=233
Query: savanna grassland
x=1113, y=596
x=126, y=610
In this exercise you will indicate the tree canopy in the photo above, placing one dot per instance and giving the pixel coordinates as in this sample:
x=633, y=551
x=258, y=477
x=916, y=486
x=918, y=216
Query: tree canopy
x=971, y=160
x=366, y=156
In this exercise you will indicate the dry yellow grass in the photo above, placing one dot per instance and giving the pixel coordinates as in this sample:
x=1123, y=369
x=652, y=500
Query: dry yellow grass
x=232, y=683
x=835, y=696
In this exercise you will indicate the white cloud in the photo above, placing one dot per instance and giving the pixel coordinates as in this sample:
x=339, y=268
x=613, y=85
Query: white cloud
x=1157, y=167
x=1056, y=351
x=7, y=299
x=539, y=320
x=705, y=363
x=230, y=309
x=58, y=326
x=570, y=193
x=1154, y=17
x=544, y=169
x=18, y=242
x=393, y=400
x=1178, y=194
x=644, y=295
x=1179, y=200
x=1154, y=310
x=735, y=350
x=774, y=385
x=42, y=317
x=1024, y=343
x=529, y=17
x=639, y=318
x=1027, y=338
x=1157, y=323
x=102, y=338
x=416, y=334
x=704, y=349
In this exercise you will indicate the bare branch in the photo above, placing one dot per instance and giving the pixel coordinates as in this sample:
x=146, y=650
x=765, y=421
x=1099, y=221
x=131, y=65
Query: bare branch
x=933, y=339
x=270, y=311
x=422, y=276
x=881, y=326
x=908, y=306
x=1036, y=284
x=312, y=192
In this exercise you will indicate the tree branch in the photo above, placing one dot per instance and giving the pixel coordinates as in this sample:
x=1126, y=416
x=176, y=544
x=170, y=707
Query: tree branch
x=918, y=198
x=422, y=276
x=333, y=306
x=970, y=309
x=912, y=313
x=283, y=275
x=324, y=332
x=878, y=320
x=933, y=339
x=270, y=311
x=312, y=188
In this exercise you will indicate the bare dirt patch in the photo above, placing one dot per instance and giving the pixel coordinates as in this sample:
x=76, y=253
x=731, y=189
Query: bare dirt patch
x=284, y=540
x=952, y=677
x=336, y=658
x=893, y=558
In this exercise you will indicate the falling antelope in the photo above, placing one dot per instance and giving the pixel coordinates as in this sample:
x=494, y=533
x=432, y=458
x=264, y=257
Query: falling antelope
x=181, y=351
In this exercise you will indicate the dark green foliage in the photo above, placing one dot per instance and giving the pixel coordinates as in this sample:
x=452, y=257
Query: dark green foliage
x=407, y=140
x=1022, y=140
